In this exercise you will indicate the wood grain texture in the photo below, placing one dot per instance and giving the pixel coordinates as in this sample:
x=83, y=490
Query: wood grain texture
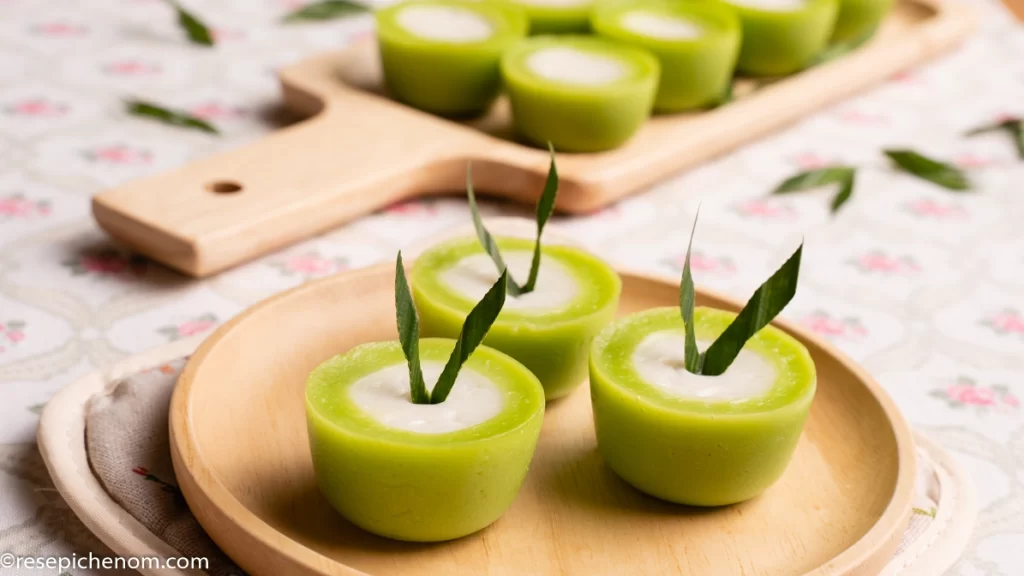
x=361, y=151
x=241, y=456
x=1016, y=8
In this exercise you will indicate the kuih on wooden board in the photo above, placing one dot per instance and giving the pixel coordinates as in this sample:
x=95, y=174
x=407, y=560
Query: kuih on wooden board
x=181, y=218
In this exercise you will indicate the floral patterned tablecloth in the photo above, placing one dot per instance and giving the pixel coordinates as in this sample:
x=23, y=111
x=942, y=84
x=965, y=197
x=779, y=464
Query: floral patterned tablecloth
x=923, y=286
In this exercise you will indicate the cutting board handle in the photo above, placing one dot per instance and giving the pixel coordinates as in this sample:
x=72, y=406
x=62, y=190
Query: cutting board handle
x=300, y=181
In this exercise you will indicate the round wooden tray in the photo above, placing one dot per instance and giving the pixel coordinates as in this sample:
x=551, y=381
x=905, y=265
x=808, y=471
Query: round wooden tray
x=241, y=455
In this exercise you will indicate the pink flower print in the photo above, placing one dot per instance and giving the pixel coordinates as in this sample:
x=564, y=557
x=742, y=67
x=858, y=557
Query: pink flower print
x=704, y=263
x=38, y=107
x=60, y=29
x=193, y=327
x=413, y=208
x=969, y=160
x=928, y=208
x=905, y=77
x=878, y=261
x=189, y=327
x=120, y=154
x=1005, y=322
x=364, y=36
x=966, y=392
x=102, y=264
x=215, y=111
x=17, y=206
x=131, y=68
x=227, y=34
x=107, y=262
x=766, y=209
x=822, y=323
x=811, y=161
x=12, y=332
x=310, y=265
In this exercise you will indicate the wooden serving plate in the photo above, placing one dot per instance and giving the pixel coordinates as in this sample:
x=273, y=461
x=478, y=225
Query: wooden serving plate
x=241, y=457
x=362, y=151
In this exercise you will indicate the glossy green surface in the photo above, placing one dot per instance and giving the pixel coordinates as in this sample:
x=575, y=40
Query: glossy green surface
x=553, y=345
x=455, y=79
x=694, y=72
x=553, y=19
x=686, y=450
x=420, y=487
x=858, y=19
x=780, y=42
x=580, y=118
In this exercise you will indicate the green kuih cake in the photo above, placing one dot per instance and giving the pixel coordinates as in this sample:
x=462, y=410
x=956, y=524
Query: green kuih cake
x=582, y=94
x=702, y=428
x=858, y=20
x=782, y=36
x=442, y=56
x=417, y=463
x=549, y=322
x=556, y=16
x=697, y=44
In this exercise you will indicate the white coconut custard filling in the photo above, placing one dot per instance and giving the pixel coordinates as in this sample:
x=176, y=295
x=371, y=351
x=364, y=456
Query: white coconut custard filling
x=385, y=397
x=659, y=26
x=471, y=277
x=445, y=24
x=658, y=359
x=576, y=67
x=771, y=5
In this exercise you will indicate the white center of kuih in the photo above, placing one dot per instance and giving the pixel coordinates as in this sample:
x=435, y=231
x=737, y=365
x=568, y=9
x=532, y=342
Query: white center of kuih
x=445, y=24
x=658, y=359
x=472, y=276
x=572, y=66
x=556, y=3
x=775, y=5
x=385, y=396
x=661, y=27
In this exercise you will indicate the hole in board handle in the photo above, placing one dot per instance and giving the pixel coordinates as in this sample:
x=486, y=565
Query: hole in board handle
x=224, y=187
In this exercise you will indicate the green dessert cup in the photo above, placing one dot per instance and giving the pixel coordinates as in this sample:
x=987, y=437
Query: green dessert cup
x=559, y=17
x=782, y=36
x=581, y=94
x=415, y=486
x=858, y=20
x=554, y=343
x=689, y=449
x=697, y=44
x=442, y=56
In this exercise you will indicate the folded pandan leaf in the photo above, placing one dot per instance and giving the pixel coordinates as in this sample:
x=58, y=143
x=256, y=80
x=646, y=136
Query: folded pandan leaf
x=766, y=303
x=197, y=32
x=144, y=109
x=325, y=10
x=845, y=176
x=545, y=207
x=936, y=172
x=474, y=328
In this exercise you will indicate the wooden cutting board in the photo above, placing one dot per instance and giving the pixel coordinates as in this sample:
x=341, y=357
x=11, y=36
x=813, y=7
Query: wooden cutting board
x=360, y=151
